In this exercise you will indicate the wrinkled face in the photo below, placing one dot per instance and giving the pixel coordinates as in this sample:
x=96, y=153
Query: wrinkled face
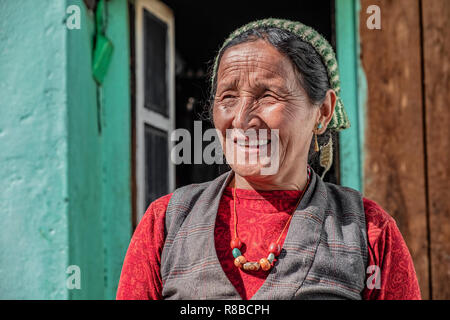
x=258, y=88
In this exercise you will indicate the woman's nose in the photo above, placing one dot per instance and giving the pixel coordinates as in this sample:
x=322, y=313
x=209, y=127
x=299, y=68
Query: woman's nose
x=243, y=116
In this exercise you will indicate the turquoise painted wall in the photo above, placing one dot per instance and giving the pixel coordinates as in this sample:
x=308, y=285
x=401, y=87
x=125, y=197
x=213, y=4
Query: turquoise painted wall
x=65, y=186
x=84, y=162
x=116, y=148
x=353, y=92
x=33, y=151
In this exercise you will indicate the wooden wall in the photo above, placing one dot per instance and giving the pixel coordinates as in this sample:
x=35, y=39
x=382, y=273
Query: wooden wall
x=406, y=168
x=436, y=57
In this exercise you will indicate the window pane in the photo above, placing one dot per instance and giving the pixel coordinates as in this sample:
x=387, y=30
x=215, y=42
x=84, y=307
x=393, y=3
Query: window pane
x=156, y=164
x=155, y=40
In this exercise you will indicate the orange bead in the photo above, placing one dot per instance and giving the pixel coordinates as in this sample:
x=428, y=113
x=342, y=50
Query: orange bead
x=265, y=264
x=236, y=243
x=275, y=248
x=239, y=261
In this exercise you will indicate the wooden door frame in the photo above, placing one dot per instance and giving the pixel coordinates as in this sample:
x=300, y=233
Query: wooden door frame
x=165, y=14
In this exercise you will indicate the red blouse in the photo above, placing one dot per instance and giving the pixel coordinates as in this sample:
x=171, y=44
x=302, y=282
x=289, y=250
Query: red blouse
x=261, y=217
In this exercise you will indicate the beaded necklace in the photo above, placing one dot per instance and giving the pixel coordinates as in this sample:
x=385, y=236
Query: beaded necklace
x=274, y=248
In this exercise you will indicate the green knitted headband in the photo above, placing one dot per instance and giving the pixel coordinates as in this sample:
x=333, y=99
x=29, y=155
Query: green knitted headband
x=339, y=121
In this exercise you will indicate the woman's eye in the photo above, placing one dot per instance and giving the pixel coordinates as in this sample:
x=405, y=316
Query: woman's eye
x=228, y=98
x=267, y=96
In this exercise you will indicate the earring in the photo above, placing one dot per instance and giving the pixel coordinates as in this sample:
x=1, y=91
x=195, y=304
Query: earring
x=316, y=144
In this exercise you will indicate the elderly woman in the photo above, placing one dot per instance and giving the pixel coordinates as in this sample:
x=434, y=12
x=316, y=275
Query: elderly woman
x=283, y=235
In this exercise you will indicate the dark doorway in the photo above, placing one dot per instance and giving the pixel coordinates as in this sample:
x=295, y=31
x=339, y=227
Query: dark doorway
x=200, y=28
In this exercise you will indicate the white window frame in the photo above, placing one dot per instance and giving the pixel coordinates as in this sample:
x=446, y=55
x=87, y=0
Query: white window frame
x=143, y=115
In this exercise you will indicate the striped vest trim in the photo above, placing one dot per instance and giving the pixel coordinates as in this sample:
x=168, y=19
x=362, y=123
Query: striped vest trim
x=324, y=254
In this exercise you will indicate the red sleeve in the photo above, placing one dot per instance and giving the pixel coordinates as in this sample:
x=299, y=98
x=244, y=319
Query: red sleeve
x=390, y=273
x=141, y=278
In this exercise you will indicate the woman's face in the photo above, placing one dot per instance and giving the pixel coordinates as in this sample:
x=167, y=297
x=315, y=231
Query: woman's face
x=258, y=88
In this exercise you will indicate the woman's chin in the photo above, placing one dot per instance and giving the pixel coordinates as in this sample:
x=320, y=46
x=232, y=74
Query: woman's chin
x=249, y=171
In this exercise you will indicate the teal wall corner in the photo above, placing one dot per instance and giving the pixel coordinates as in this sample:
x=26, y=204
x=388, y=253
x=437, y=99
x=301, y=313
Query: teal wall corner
x=362, y=97
x=33, y=144
x=353, y=92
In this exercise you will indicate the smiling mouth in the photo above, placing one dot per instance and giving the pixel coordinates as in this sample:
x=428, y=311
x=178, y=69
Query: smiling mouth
x=252, y=143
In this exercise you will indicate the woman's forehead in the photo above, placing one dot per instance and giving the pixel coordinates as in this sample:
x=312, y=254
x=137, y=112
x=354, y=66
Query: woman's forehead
x=255, y=59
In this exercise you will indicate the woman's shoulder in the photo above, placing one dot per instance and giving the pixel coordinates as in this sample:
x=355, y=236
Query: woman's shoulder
x=382, y=228
x=343, y=195
x=160, y=203
x=375, y=214
x=155, y=213
x=377, y=219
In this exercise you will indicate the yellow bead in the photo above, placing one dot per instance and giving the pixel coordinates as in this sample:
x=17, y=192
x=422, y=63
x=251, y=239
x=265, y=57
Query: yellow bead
x=239, y=261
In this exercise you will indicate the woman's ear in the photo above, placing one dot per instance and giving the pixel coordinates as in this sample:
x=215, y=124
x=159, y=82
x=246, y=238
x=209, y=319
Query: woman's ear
x=327, y=110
